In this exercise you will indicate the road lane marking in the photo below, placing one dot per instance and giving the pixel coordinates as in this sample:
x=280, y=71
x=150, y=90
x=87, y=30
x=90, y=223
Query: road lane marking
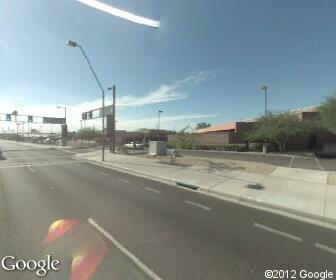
x=123, y=180
x=48, y=156
x=31, y=169
x=198, y=205
x=325, y=248
x=291, y=162
x=124, y=250
x=24, y=164
x=279, y=232
x=103, y=173
x=153, y=190
x=318, y=164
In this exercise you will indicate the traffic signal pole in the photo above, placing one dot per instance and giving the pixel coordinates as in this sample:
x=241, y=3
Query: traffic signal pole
x=114, y=122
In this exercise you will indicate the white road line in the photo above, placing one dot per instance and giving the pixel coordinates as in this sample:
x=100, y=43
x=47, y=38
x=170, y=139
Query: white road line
x=282, y=233
x=325, y=248
x=31, y=169
x=198, y=205
x=153, y=190
x=123, y=180
x=133, y=258
x=291, y=162
x=11, y=158
x=103, y=173
x=318, y=164
x=24, y=164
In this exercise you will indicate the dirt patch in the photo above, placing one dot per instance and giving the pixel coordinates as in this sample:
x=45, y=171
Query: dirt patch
x=218, y=164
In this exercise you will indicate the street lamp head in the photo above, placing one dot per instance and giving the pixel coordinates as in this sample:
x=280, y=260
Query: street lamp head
x=264, y=87
x=160, y=111
x=72, y=44
x=58, y=107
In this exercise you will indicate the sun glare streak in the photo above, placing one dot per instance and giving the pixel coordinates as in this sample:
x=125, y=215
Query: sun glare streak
x=120, y=13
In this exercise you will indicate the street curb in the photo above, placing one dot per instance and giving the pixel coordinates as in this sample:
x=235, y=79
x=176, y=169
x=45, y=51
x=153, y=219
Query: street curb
x=289, y=210
x=132, y=172
x=242, y=200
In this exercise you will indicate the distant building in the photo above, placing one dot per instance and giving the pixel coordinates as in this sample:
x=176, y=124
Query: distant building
x=229, y=133
x=233, y=132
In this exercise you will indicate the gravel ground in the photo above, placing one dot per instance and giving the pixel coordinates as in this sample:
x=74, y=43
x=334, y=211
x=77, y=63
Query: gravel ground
x=219, y=164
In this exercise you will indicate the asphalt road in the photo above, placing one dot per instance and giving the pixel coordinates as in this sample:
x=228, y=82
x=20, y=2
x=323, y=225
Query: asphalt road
x=305, y=162
x=177, y=233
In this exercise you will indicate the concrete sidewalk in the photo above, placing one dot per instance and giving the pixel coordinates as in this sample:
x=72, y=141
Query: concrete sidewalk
x=301, y=192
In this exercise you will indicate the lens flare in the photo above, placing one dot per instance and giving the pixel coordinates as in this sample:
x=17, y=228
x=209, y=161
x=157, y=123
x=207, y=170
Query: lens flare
x=85, y=264
x=58, y=229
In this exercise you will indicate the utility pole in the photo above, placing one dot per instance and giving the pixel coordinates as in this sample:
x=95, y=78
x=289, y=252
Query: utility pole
x=103, y=125
x=264, y=88
x=159, y=113
x=112, y=139
x=114, y=119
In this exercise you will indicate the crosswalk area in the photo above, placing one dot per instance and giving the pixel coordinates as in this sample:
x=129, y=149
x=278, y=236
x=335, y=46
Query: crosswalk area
x=15, y=156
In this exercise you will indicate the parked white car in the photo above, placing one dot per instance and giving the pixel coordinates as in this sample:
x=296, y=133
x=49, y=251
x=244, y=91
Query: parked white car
x=132, y=145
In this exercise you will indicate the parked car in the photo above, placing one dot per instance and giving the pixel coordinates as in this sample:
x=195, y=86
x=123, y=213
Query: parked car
x=136, y=145
x=51, y=140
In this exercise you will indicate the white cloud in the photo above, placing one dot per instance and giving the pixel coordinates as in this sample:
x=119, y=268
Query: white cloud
x=120, y=13
x=169, y=122
x=164, y=93
x=20, y=98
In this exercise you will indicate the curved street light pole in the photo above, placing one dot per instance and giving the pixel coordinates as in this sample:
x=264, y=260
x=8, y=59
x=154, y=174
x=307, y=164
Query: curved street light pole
x=74, y=45
x=264, y=88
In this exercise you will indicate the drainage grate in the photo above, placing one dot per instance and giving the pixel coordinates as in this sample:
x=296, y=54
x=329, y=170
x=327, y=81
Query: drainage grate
x=188, y=186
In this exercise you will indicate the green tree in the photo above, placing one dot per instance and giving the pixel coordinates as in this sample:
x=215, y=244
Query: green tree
x=183, y=139
x=279, y=129
x=202, y=125
x=328, y=113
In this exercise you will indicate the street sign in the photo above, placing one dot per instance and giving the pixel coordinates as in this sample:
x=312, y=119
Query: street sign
x=97, y=113
x=54, y=120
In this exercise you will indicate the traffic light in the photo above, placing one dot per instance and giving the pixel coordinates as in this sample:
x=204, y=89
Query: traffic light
x=30, y=118
x=8, y=117
x=84, y=116
x=90, y=115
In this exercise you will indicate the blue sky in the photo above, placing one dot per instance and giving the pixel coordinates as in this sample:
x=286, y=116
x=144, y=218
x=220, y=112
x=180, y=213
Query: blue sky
x=206, y=62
